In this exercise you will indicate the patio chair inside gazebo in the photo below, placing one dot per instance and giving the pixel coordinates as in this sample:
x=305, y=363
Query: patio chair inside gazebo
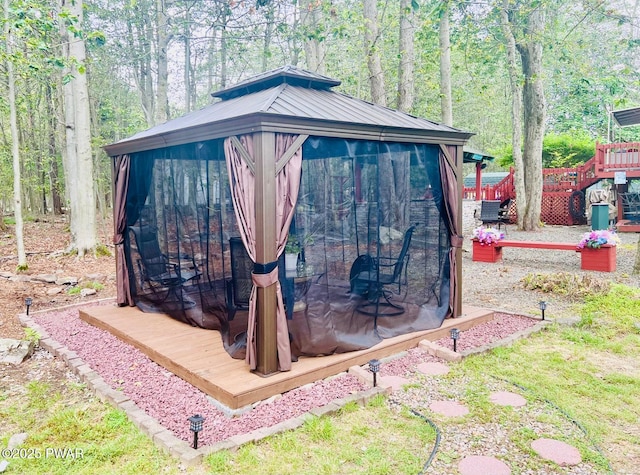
x=346, y=177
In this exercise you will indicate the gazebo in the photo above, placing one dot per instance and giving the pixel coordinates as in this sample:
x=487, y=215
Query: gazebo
x=368, y=198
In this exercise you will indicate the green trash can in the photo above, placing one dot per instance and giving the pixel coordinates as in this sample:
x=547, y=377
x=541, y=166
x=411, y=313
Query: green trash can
x=599, y=216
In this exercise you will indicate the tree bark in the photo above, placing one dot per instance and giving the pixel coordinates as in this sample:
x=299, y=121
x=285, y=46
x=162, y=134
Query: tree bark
x=534, y=117
x=162, y=43
x=516, y=112
x=139, y=31
x=372, y=50
x=268, y=33
x=56, y=199
x=446, y=103
x=15, y=143
x=314, y=49
x=407, y=57
x=80, y=158
x=223, y=45
x=188, y=74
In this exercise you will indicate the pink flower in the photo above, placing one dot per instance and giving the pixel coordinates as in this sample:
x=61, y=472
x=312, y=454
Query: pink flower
x=596, y=239
x=487, y=236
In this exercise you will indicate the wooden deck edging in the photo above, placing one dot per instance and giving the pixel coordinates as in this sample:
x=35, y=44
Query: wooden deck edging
x=198, y=356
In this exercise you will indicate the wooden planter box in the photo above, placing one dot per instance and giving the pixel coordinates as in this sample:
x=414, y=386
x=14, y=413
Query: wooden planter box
x=486, y=252
x=602, y=259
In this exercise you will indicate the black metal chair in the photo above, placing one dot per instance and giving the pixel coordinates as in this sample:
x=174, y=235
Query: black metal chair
x=630, y=206
x=160, y=276
x=492, y=212
x=379, y=278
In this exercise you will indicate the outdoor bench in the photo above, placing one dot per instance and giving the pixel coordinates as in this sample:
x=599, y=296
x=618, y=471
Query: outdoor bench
x=602, y=259
x=559, y=246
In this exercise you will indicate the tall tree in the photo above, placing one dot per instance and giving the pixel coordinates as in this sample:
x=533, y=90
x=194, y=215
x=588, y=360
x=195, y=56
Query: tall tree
x=406, y=56
x=162, y=45
x=79, y=170
x=15, y=141
x=314, y=44
x=516, y=110
x=372, y=46
x=524, y=27
x=444, y=30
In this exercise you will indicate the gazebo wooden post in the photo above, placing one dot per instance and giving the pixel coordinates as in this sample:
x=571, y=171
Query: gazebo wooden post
x=265, y=203
x=457, y=299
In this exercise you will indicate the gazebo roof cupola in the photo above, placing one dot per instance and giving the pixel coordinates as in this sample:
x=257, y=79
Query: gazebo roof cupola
x=283, y=75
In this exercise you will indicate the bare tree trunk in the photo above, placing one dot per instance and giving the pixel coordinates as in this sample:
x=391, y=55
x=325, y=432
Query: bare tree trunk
x=534, y=117
x=268, y=33
x=516, y=113
x=407, y=57
x=80, y=159
x=69, y=150
x=314, y=49
x=187, y=61
x=372, y=50
x=446, y=103
x=140, y=34
x=223, y=46
x=15, y=143
x=211, y=53
x=56, y=199
x=162, y=41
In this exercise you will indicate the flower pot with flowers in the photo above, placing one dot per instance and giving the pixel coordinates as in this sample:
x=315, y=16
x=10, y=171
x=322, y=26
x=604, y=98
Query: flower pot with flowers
x=598, y=250
x=484, y=244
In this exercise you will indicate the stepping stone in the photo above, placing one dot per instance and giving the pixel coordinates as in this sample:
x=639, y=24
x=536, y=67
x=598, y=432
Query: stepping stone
x=506, y=398
x=483, y=465
x=559, y=452
x=449, y=408
x=394, y=382
x=433, y=369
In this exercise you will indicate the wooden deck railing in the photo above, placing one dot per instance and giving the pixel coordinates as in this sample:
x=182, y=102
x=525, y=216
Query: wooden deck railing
x=622, y=156
x=608, y=159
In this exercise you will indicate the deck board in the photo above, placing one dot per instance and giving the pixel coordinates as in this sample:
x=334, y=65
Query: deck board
x=198, y=356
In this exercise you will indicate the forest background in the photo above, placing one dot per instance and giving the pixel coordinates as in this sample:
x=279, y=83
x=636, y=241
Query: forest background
x=77, y=76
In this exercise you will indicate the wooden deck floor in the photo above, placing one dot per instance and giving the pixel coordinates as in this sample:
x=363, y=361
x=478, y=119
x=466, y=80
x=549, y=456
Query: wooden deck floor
x=198, y=357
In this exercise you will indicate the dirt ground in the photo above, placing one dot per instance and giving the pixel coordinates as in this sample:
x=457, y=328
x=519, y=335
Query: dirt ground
x=45, y=242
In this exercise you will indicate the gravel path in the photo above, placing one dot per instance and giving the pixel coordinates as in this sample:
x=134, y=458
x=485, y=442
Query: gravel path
x=499, y=286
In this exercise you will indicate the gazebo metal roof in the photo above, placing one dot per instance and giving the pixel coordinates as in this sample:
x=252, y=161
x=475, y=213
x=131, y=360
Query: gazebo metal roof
x=290, y=100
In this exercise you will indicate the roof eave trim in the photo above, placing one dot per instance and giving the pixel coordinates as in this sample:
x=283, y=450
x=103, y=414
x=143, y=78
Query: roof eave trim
x=287, y=124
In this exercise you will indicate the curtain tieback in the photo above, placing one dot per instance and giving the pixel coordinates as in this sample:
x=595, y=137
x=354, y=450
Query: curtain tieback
x=264, y=275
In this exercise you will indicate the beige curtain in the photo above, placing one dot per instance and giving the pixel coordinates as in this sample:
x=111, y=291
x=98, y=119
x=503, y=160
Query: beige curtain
x=240, y=158
x=121, y=168
x=451, y=199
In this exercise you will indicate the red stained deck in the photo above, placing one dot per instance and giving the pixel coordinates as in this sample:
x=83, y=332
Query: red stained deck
x=198, y=357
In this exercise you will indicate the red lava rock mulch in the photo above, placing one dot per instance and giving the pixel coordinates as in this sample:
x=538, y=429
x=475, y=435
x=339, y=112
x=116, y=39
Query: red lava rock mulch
x=502, y=326
x=169, y=399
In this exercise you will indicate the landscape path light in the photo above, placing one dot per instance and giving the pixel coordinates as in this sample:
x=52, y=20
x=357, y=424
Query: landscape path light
x=374, y=367
x=28, y=301
x=455, y=334
x=196, y=422
x=543, y=307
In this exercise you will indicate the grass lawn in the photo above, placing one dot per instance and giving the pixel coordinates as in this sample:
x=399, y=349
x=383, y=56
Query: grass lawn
x=588, y=373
